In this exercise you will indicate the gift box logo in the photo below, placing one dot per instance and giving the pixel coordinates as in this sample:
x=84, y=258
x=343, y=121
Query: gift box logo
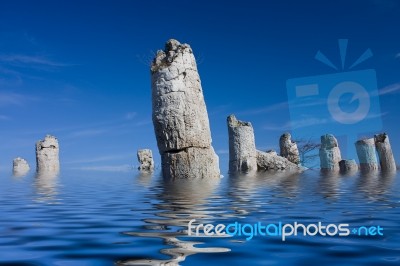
x=345, y=103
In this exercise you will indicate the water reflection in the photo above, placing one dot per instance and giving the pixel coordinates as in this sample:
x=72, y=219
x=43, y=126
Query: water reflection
x=178, y=202
x=329, y=184
x=46, y=186
x=144, y=178
x=247, y=191
x=375, y=184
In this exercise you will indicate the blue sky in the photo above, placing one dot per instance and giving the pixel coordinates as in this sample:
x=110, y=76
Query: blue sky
x=80, y=70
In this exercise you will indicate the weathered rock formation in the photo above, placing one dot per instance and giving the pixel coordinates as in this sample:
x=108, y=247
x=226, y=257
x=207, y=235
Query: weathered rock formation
x=180, y=116
x=288, y=148
x=20, y=166
x=329, y=153
x=347, y=166
x=47, y=155
x=272, y=152
x=145, y=158
x=367, y=154
x=242, y=147
x=385, y=153
x=270, y=161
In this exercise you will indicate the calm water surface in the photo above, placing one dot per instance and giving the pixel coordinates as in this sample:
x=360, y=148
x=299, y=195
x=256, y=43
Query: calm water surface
x=98, y=218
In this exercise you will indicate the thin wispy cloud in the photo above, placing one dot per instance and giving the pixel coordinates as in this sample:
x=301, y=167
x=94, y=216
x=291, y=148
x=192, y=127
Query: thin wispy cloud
x=390, y=89
x=101, y=159
x=87, y=133
x=312, y=121
x=222, y=152
x=12, y=98
x=106, y=168
x=21, y=60
x=130, y=115
x=267, y=109
x=285, y=105
x=4, y=117
x=397, y=56
x=144, y=122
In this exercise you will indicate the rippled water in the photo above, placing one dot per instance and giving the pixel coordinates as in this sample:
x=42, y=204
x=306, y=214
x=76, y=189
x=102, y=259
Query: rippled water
x=96, y=218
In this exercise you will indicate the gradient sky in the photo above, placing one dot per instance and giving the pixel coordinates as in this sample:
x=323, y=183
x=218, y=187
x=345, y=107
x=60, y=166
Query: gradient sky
x=80, y=69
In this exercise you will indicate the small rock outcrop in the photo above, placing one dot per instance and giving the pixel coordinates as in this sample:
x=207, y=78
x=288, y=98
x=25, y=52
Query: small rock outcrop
x=289, y=149
x=20, y=167
x=385, y=154
x=347, y=166
x=242, y=147
x=145, y=158
x=329, y=153
x=180, y=116
x=366, y=153
x=270, y=161
x=47, y=155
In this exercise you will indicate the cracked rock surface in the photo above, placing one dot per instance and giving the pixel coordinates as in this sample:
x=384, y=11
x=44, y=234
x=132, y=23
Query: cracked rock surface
x=366, y=153
x=385, y=154
x=271, y=161
x=47, y=155
x=180, y=116
x=289, y=148
x=145, y=158
x=329, y=153
x=242, y=147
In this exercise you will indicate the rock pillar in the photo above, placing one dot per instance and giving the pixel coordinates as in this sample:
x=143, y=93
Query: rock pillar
x=367, y=154
x=47, y=155
x=145, y=158
x=242, y=147
x=289, y=149
x=385, y=153
x=329, y=153
x=180, y=117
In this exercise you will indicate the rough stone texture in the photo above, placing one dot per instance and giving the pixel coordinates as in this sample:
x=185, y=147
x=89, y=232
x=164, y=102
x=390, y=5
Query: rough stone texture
x=145, y=158
x=20, y=166
x=47, y=159
x=269, y=161
x=348, y=166
x=329, y=153
x=190, y=163
x=289, y=149
x=242, y=147
x=180, y=116
x=367, y=154
x=272, y=152
x=385, y=153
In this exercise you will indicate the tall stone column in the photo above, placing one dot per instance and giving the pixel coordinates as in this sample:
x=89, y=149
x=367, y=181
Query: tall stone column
x=329, y=153
x=180, y=116
x=385, y=153
x=367, y=154
x=289, y=149
x=242, y=147
x=47, y=155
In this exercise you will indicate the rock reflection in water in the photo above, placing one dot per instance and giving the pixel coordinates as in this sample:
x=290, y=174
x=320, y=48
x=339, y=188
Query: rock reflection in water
x=246, y=191
x=178, y=202
x=374, y=184
x=144, y=178
x=329, y=184
x=46, y=186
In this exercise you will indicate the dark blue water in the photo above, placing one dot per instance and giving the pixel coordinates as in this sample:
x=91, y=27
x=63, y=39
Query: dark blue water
x=103, y=218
